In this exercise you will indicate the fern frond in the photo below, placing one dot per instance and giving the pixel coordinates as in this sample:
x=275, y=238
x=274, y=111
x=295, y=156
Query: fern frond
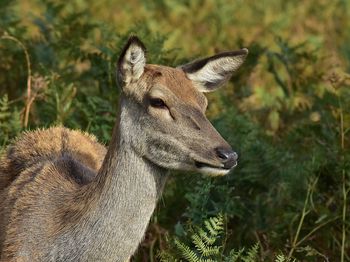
x=204, y=236
x=204, y=248
x=283, y=258
x=234, y=255
x=252, y=254
x=186, y=251
x=215, y=225
x=10, y=121
x=4, y=108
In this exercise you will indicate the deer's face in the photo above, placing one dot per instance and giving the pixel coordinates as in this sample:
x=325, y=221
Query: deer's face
x=163, y=109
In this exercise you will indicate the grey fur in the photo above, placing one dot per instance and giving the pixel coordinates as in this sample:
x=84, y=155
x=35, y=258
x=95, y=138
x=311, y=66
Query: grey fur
x=66, y=199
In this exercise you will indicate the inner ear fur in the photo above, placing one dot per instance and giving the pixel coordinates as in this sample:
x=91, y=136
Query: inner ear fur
x=131, y=62
x=212, y=72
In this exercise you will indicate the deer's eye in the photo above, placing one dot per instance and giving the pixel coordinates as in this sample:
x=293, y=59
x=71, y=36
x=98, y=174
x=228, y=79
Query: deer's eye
x=157, y=103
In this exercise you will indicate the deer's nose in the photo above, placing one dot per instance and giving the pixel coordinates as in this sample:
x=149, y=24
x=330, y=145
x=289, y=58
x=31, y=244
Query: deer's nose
x=227, y=157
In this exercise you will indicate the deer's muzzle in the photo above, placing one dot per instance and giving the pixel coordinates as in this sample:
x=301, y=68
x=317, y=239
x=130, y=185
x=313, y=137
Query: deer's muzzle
x=227, y=156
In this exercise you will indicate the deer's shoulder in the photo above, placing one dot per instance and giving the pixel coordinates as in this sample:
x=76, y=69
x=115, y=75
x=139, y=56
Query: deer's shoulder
x=74, y=153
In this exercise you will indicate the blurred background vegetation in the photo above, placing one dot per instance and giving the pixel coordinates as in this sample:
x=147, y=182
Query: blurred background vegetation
x=287, y=113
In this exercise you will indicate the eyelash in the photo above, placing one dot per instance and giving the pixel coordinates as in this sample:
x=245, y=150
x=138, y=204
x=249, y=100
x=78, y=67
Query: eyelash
x=157, y=103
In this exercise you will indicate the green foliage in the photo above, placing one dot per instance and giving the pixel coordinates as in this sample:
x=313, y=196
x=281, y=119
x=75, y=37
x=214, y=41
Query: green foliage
x=286, y=112
x=204, y=241
x=245, y=256
x=10, y=122
x=283, y=258
x=208, y=245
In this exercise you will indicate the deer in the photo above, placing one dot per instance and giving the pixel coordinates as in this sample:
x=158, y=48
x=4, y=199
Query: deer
x=65, y=197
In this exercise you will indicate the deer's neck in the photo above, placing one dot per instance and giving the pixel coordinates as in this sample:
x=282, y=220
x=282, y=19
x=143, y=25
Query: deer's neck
x=123, y=198
x=125, y=173
x=129, y=187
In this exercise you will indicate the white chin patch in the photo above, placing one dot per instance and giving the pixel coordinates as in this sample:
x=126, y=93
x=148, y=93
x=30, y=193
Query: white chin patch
x=210, y=171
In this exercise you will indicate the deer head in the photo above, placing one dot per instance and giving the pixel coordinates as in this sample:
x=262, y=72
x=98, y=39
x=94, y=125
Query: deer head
x=163, y=110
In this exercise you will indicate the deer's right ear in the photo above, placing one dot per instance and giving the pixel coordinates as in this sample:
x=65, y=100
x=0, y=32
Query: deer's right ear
x=210, y=73
x=131, y=62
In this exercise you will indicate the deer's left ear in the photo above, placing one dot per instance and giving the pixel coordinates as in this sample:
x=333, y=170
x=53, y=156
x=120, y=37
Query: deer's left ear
x=210, y=73
x=131, y=62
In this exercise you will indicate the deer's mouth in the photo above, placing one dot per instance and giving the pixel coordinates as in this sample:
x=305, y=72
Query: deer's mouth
x=200, y=165
x=212, y=170
x=209, y=168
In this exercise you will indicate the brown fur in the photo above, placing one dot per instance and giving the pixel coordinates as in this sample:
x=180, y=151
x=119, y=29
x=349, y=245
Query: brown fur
x=178, y=83
x=64, y=197
x=47, y=145
x=35, y=165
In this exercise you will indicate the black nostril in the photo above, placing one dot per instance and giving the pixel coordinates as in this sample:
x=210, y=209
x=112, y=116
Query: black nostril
x=223, y=154
x=228, y=157
x=226, y=153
